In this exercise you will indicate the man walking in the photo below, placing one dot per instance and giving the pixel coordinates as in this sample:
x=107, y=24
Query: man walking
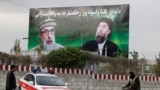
x=11, y=80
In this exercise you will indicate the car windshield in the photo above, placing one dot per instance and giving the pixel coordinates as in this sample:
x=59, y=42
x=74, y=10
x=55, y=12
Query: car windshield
x=49, y=81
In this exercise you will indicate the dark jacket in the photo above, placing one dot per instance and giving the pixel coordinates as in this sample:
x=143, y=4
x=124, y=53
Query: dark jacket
x=92, y=46
x=133, y=84
x=10, y=81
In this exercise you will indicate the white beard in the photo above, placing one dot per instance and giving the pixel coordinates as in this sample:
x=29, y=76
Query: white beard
x=49, y=47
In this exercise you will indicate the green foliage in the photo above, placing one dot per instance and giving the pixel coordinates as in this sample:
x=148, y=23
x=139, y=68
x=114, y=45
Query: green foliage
x=17, y=48
x=134, y=54
x=67, y=58
x=157, y=66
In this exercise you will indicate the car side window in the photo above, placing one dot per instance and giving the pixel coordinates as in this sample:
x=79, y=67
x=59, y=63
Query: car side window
x=27, y=77
x=30, y=77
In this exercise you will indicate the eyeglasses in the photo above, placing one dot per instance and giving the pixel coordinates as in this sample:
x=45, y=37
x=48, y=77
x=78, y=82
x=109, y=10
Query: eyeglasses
x=46, y=31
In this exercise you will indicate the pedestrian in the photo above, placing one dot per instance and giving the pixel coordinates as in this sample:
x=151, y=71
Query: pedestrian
x=11, y=79
x=133, y=84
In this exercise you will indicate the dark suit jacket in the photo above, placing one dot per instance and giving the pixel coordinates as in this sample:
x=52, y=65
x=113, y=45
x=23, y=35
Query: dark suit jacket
x=92, y=46
x=10, y=81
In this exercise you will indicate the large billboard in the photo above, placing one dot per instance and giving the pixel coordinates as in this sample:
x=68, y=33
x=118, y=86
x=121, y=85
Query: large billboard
x=79, y=27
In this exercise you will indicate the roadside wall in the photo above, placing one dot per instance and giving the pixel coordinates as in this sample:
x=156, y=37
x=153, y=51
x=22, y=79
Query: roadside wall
x=78, y=79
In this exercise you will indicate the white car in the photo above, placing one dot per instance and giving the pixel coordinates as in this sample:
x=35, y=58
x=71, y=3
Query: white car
x=41, y=81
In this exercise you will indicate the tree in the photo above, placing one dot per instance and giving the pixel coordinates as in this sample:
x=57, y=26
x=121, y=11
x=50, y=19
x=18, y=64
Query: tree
x=17, y=48
x=157, y=66
x=134, y=54
x=68, y=57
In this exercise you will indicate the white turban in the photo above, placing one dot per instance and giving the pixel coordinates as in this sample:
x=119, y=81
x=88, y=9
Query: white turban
x=46, y=23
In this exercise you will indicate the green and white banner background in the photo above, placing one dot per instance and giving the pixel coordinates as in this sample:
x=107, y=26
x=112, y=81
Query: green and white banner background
x=76, y=25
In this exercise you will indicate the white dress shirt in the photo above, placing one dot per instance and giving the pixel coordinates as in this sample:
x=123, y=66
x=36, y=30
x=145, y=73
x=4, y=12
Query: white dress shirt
x=100, y=48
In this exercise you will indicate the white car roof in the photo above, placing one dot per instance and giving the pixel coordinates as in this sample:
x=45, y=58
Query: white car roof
x=45, y=74
x=42, y=74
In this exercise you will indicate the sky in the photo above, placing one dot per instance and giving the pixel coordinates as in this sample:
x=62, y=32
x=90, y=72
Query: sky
x=144, y=29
